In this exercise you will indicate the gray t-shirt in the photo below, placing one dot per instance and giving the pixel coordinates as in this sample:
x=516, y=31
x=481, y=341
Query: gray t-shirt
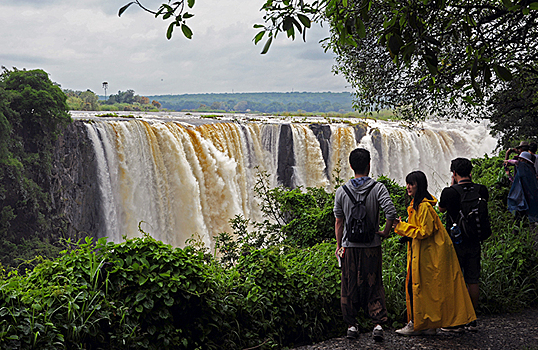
x=378, y=198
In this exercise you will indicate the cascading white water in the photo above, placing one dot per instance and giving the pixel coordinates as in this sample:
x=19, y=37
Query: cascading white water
x=181, y=179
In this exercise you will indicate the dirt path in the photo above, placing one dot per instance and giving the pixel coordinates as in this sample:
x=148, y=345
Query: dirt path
x=496, y=332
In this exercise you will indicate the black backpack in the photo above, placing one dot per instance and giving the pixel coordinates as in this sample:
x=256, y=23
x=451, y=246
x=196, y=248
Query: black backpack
x=358, y=228
x=473, y=217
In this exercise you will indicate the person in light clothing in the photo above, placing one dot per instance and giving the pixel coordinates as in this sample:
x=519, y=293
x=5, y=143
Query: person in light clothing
x=362, y=284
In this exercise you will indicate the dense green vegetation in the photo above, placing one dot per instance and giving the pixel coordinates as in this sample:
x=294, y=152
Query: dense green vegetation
x=32, y=112
x=122, y=101
x=515, y=110
x=261, y=102
x=274, y=286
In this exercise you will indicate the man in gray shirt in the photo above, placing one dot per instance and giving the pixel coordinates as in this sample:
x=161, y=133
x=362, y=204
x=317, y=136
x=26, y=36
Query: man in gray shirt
x=362, y=284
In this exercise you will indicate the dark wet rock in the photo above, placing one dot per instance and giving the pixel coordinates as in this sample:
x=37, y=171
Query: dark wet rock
x=74, y=188
x=286, y=158
x=323, y=134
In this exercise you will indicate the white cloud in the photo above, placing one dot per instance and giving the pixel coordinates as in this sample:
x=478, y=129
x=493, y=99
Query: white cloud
x=82, y=44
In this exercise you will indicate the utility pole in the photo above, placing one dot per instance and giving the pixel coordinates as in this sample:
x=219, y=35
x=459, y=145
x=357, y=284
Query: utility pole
x=105, y=86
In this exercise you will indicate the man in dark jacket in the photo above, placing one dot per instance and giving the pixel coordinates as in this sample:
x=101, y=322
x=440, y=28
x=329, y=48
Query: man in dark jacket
x=469, y=250
x=362, y=284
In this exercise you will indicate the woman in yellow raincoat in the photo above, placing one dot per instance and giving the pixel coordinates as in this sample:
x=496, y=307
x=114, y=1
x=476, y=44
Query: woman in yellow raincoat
x=436, y=295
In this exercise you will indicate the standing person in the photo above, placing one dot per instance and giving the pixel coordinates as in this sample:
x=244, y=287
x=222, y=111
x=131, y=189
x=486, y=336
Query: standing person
x=362, y=284
x=522, y=147
x=436, y=295
x=523, y=195
x=468, y=248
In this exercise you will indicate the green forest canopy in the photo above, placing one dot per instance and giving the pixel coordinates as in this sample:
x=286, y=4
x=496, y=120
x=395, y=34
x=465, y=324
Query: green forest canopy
x=263, y=102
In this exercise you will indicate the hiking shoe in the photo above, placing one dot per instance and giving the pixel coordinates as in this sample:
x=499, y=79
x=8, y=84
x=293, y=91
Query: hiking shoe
x=378, y=333
x=454, y=329
x=409, y=329
x=472, y=326
x=352, y=332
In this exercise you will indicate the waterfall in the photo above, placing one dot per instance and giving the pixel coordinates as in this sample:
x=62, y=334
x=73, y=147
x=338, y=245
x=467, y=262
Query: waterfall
x=176, y=177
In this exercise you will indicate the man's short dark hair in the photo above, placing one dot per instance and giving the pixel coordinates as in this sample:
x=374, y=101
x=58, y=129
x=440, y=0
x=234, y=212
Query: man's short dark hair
x=462, y=166
x=533, y=147
x=359, y=159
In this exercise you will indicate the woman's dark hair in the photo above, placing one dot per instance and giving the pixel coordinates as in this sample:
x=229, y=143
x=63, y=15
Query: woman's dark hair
x=418, y=177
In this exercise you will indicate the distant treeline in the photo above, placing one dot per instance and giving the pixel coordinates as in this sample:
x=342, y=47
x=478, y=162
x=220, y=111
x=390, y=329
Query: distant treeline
x=262, y=102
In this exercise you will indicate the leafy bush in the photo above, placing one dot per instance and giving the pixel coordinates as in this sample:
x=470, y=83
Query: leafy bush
x=33, y=111
x=143, y=294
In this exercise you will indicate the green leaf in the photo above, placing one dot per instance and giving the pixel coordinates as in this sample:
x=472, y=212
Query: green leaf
x=140, y=296
x=474, y=69
x=190, y=3
x=259, y=36
x=304, y=20
x=267, y=45
x=507, y=3
x=187, y=15
x=533, y=5
x=186, y=31
x=432, y=40
x=170, y=30
x=122, y=10
x=361, y=29
x=297, y=25
x=287, y=24
x=395, y=43
x=502, y=72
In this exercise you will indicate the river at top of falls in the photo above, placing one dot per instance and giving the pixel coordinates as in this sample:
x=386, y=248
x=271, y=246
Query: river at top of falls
x=184, y=174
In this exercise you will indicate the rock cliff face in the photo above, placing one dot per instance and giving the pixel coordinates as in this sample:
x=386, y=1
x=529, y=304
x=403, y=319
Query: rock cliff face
x=74, y=189
x=286, y=157
x=323, y=134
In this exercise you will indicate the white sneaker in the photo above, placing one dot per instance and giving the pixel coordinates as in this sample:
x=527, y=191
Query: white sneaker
x=378, y=333
x=352, y=332
x=409, y=329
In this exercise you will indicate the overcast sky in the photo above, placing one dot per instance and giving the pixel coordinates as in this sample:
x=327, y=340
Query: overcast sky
x=82, y=43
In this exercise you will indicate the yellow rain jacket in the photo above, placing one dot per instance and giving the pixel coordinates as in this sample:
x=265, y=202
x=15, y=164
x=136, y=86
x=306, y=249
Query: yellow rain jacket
x=440, y=296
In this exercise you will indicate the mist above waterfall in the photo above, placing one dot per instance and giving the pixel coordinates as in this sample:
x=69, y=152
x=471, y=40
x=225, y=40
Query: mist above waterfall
x=182, y=174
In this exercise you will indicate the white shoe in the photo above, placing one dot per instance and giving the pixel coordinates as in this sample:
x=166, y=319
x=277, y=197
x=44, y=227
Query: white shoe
x=409, y=329
x=378, y=333
x=352, y=332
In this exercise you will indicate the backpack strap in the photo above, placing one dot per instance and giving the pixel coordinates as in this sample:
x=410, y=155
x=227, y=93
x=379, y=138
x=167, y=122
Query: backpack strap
x=350, y=195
